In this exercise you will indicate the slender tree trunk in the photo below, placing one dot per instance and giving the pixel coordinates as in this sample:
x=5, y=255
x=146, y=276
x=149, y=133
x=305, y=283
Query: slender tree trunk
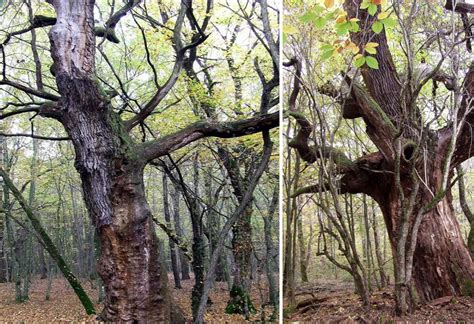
x=270, y=250
x=378, y=253
x=22, y=282
x=198, y=241
x=466, y=210
x=183, y=260
x=166, y=210
x=3, y=254
x=368, y=245
x=291, y=205
x=79, y=235
x=213, y=224
x=302, y=248
x=49, y=245
x=242, y=248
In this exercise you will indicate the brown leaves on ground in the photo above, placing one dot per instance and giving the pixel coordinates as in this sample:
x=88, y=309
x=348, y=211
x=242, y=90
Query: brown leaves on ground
x=62, y=307
x=336, y=302
x=65, y=307
x=219, y=297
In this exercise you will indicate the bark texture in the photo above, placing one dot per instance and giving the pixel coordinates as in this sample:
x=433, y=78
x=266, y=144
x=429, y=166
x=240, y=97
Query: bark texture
x=111, y=174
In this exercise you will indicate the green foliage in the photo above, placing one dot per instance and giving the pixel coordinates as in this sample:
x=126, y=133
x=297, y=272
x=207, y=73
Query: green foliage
x=377, y=27
x=359, y=61
x=372, y=62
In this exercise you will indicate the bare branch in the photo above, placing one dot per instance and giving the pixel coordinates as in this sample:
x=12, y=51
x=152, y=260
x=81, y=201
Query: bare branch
x=167, y=144
x=47, y=138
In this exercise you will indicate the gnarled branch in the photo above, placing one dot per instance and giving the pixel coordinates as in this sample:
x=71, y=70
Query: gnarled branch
x=167, y=144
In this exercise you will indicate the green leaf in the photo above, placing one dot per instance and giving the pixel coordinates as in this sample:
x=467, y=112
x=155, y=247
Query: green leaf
x=342, y=29
x=372, y=62
x=371, y=50
x=329, y=16
x=308, y=16
x=364, y=4
x=359, y=61
x=377, y=27
x=354, y=27
x=389, y=22
x=327, y=54
x=326, y=47
x=372, y=9
x=320, y=22
x=318, y=9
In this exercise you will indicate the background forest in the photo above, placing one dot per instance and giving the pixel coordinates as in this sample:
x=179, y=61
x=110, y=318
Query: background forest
x=216, y=193
x=347, y=63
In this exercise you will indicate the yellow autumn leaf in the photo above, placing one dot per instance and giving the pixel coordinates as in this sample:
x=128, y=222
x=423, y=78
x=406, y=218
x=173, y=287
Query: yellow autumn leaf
x=371, y=44
x=383, y=15
x=353, y=48
x=371, y=50
x=329, y=3
x=358, y=56
x=341, y=19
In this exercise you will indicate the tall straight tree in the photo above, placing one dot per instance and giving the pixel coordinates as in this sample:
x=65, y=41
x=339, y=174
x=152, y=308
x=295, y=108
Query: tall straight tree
x=110, y=162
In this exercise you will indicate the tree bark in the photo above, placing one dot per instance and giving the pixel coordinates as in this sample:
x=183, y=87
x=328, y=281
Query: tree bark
x=466, y=210
x=302, y=248
x=3, y=254
x=270, y=249
x=384, y=281
x=166, y=210
x=213, y=225
x=183, y=261
x=111, y=172
x=442, y=265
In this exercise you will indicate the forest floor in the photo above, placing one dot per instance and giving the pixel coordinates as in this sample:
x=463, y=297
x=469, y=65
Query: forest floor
x=335, y=302
x=65, y=307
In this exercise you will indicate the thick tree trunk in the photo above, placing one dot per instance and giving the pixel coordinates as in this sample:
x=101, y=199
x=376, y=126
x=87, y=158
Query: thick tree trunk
x=134, y=279
x=111, y=173
x=112, y=183
x=442, y=265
